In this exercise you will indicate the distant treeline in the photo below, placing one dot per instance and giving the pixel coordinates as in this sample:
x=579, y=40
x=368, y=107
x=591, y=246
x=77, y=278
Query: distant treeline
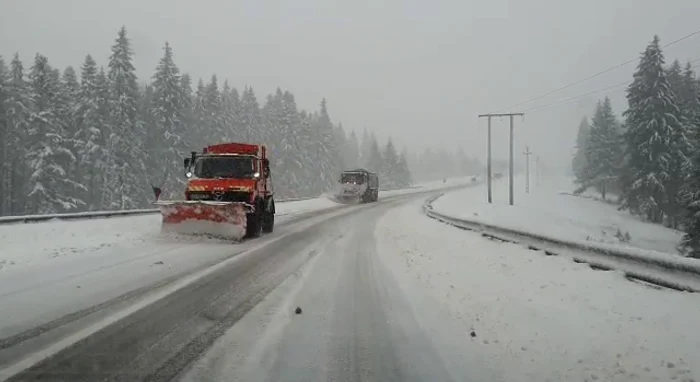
x=100, y=139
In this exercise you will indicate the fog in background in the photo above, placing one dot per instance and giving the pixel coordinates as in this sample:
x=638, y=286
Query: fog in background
x=418, y=71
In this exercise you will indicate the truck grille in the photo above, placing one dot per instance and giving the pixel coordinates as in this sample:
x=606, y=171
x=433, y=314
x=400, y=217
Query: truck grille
x=228, y=196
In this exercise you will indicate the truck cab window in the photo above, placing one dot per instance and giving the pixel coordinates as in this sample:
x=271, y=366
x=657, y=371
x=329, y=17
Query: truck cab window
x=224, y=167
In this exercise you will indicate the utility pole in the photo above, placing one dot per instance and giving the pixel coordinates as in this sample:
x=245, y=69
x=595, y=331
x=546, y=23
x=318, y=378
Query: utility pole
x=510, y=175
x=537, y=169
x=489, y=163
x=527, y=154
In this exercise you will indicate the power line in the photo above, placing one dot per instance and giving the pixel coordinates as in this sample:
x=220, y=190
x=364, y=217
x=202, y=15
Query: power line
x=599, y=73
x=603, y=90
x=563, y=101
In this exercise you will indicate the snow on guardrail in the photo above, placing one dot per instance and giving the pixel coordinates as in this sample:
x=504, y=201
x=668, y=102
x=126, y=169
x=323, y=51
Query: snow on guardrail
x=95, y=214
x=656, y=259
x=135, y=212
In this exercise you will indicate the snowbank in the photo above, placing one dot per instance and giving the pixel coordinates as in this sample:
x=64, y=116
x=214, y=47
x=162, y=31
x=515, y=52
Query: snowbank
x=433, y=186
x=551, y=210
x=519, y=315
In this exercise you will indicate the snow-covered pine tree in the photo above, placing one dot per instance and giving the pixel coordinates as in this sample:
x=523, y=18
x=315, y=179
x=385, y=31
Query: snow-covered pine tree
x=604, y=151
x=374, y=159
x=230, y=103
x=152, y=137
x=126, y=181
x=403, y=173
x=691, y=238
x=578, y=163
x=69, y=96
x=90, y=119
x=17, y=108
x=691, y=191
x=674, y=74
x=199, y=111
x=341, y=141
x=389, y=166
x=352, y=159
x=67, y=111
x=4, y=135
x=330, y=156
x=289, y=152
x=250, y=118
x=189, y=121
x=657, y=147
x=688, y=95
x=365, y=149
x=168, y=114
x=213, y=120
x=271, y=114
x=311, y=148
x=51, y=189
x=235, y=100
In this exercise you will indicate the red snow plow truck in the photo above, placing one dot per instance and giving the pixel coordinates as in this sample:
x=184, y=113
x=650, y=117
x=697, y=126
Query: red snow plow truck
x=229, y=194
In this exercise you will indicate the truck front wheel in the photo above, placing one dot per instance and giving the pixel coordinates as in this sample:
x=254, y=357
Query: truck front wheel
x=254, y=222
x=268, y=219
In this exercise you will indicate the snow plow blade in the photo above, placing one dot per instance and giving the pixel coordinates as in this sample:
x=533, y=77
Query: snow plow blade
x=346, y=198
x=225, y=220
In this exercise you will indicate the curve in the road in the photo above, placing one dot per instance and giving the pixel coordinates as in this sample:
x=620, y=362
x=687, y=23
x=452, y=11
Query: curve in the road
x=158, y=341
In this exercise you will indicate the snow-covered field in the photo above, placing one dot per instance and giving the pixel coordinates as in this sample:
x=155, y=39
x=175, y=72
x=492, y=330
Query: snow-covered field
x=518, y=315
x=550, y=209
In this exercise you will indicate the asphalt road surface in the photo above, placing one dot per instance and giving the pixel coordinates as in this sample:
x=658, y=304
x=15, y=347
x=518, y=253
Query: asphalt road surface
x=238, y=321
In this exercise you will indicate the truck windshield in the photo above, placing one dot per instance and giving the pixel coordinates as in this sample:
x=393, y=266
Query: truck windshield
x=224, y=167
x=352, y=178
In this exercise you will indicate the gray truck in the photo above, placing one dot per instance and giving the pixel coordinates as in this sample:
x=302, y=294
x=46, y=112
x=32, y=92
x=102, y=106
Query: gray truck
x=360, y=185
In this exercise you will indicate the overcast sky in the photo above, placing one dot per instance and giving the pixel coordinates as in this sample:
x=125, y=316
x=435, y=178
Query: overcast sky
x=420, y=71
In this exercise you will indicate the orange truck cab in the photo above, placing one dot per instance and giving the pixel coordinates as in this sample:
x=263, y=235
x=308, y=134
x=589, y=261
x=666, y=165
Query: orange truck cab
x=234, y=173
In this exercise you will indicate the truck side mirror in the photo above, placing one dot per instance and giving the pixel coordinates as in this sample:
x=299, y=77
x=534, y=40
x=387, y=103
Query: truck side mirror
x=187, y=163
x=266, y=167
x=156, y=191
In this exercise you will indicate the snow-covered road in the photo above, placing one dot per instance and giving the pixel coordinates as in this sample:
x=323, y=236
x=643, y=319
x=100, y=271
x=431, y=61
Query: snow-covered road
x=386, y=294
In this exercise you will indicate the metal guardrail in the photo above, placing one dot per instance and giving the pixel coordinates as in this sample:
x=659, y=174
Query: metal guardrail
x=96, y=214
x=653, y=267
x=108, y=214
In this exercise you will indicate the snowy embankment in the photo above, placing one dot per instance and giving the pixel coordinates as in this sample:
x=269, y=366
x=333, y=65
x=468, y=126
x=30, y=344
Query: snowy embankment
x=518, y=315
x=550, y=210
x=32, y=243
